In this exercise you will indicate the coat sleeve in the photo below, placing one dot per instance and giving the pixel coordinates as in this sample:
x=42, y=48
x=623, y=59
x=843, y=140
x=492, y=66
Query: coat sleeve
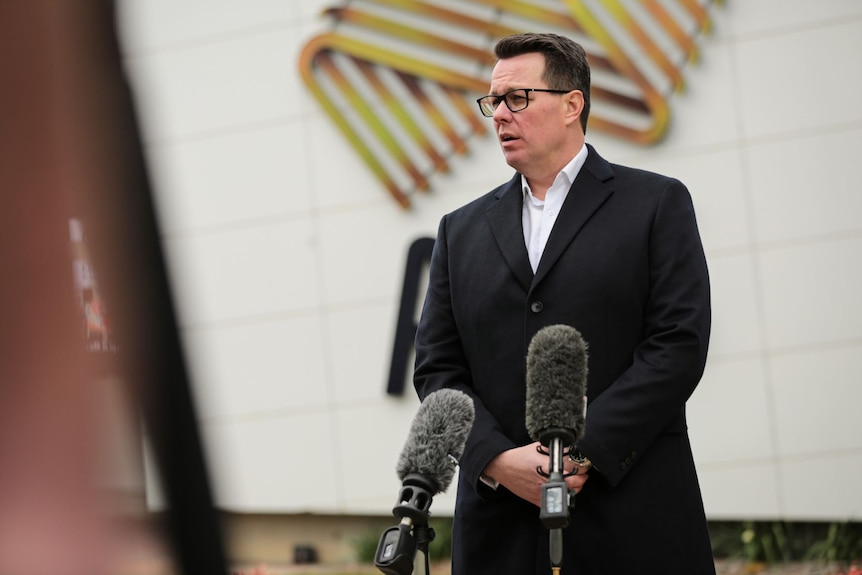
x=649, y=397
x=442, y=363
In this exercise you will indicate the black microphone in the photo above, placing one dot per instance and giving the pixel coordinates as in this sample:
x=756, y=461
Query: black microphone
x=426, y=467
x=556, y=417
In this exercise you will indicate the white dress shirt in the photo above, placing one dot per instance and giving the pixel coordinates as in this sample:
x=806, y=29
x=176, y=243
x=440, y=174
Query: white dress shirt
x=538, y=216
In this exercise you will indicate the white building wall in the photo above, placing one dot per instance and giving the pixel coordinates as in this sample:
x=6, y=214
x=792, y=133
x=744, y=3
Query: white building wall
x=287, y=255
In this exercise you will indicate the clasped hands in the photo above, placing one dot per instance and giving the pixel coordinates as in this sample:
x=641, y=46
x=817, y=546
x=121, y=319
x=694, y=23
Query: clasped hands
x=517, y=469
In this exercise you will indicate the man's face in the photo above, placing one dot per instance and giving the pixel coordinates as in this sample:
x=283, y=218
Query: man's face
x=533, y=140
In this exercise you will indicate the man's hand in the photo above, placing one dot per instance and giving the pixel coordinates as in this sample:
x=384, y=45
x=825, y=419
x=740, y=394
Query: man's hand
x=515, y=469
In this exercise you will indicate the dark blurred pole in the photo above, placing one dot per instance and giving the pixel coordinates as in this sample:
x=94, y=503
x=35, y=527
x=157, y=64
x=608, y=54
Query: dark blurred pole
x=70, y=147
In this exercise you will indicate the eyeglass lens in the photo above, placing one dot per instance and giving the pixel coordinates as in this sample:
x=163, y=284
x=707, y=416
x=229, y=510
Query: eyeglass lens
x=516, y=100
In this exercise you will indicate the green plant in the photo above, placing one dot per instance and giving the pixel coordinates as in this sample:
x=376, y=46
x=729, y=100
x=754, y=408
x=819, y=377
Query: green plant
x=765, y=542
x=781, y=541
x=440, y=548
x=366, y=545
x=725, y=536
x=843, y=542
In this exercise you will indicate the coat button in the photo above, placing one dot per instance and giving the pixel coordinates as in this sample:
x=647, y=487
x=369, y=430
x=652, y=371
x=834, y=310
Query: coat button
x=536, y=306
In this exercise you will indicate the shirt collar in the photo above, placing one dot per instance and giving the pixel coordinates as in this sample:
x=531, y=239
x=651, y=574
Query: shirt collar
x=570, y=171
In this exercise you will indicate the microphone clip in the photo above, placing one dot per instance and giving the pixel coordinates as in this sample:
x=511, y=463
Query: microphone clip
x=566, y=452
x=558, y=500
x=396, y=550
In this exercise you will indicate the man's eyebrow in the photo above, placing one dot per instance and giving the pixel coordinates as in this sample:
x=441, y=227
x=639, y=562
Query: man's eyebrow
x=504, y=90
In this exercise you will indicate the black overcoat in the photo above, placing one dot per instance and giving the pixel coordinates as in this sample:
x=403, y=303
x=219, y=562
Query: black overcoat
x=625, y=266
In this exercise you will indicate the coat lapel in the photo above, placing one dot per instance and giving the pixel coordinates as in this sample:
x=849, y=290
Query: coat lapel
x=588, y=192
x=504, y=217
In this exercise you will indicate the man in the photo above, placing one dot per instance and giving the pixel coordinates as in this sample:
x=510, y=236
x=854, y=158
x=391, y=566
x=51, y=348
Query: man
x=612, y=251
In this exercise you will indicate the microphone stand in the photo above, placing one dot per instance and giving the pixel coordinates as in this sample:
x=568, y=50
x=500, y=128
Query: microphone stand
x=396, y=550
x=557, y=499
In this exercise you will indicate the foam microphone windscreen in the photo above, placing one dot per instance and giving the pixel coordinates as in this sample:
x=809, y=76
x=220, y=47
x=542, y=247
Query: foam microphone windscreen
x=439, y=430
x=556, y=383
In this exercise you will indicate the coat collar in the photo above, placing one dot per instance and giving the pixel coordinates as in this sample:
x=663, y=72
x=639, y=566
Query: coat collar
x=589, y=191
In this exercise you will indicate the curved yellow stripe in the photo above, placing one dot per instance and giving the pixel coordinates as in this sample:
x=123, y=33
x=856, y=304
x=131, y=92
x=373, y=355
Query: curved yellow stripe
x=674, y=30
x=656, y=54
x=532, y=12
x=655, y=103
x=424, y=9
x=377, y=168
x=396, y=61
x=375, y=125
x=699, y=13
x=400, y=113
x=468, y=111
x=410, y=33
x=434, y=114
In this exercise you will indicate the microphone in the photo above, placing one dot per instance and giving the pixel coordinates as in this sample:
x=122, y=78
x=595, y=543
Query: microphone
x=556, y=417
x=426, y=467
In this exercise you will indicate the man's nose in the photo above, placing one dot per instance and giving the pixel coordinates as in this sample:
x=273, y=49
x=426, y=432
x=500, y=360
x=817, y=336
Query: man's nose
x=502, y=112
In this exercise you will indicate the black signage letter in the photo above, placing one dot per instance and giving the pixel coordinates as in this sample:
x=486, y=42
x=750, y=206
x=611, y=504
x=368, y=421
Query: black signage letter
x=405, y=330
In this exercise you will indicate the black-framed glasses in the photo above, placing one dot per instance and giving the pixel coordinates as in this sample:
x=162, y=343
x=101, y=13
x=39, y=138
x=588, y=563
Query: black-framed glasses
x=516, y=100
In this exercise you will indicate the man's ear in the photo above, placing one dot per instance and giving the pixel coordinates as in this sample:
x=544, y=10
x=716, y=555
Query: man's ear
x=574, y=105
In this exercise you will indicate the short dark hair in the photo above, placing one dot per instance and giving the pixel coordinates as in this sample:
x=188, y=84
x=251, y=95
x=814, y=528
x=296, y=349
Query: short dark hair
x=566, y=66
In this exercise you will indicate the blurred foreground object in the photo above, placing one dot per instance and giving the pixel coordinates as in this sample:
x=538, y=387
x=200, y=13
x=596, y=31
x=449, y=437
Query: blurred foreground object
x=70, y=150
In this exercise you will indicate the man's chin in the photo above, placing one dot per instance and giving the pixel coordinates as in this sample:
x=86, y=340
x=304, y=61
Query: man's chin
x=513, y=160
